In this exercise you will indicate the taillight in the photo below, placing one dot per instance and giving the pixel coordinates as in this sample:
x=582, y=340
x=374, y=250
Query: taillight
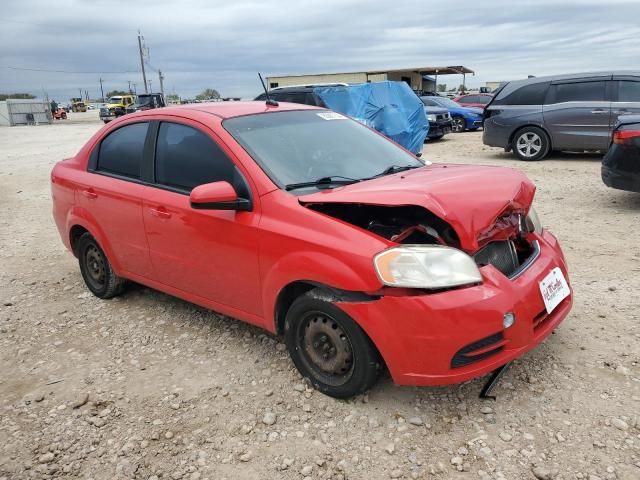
x=625, y=137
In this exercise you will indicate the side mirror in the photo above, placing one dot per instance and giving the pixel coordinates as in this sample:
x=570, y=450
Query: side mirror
x=217, y=196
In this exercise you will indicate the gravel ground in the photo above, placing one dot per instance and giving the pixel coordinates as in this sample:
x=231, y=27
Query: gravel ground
x=148, y=386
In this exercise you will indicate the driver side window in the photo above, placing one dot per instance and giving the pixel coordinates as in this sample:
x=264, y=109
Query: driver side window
x=186, y=157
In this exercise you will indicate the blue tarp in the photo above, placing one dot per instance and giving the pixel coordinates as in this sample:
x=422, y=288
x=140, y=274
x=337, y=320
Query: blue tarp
x=391, y=108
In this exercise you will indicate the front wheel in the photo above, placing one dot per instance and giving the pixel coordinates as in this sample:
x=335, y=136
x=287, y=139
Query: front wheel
x=329, y=348
x=531, y=144
x=458, y=124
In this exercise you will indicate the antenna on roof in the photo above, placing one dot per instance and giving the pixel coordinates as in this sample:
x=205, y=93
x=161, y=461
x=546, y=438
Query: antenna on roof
x=273, y=103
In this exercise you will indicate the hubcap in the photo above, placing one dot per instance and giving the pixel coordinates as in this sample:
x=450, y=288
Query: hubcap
x=458, y=125
x=326, y=345
x=529, y=144
x=94, y=261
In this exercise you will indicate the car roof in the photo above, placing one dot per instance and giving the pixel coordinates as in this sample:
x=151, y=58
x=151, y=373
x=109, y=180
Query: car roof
x=510, y=87
x=235, y=109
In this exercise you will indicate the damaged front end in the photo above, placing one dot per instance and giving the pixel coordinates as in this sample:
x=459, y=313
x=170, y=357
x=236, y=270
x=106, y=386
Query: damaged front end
x=505, y=244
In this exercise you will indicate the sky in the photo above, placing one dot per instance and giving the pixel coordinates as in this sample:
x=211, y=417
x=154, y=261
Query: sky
x=200, y=44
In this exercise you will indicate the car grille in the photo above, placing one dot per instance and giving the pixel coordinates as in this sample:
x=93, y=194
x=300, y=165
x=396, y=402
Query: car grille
x=501, y=254
x=443, y=116
x=476, y=351
x=104, y=112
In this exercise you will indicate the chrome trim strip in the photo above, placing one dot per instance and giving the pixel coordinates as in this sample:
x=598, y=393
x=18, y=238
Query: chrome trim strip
x=527, y=263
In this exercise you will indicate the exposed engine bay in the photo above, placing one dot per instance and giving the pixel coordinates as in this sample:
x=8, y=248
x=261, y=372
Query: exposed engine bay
x=503, y=245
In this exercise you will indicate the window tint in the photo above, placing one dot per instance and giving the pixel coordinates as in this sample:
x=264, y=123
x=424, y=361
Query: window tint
x=121, y=151
x=428, y=102
x=186, y=158
x=628, y=91
x=484, y=99
x=294, y=98
x=526, y=95
x=579, y=92
x=469, y=99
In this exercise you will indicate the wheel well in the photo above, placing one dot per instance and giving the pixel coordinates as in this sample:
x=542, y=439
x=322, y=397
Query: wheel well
x=514, y=133
x=285, y=298
x=74, y=235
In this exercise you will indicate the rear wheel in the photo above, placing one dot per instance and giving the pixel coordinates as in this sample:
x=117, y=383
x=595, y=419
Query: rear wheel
x=458, y=124
x=329, y=348
x=96, y=269
x=531, y=144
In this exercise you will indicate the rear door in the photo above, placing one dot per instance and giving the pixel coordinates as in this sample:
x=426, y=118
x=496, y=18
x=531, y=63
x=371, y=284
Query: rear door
x=626, y=97
x=577, y=114
x=113, y=194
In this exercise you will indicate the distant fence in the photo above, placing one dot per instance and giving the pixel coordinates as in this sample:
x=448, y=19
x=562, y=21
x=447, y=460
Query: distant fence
x=24, y=112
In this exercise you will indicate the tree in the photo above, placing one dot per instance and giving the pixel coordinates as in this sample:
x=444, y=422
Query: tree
x=208, y=94
x=461, y=88
x=172, y=97
x=113, y=93
x=442, y=87
x=4, y=96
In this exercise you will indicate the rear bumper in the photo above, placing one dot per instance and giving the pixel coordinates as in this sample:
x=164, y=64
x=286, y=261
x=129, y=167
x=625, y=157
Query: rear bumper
x=420, y=336
x=495, y=135
x=621, y=180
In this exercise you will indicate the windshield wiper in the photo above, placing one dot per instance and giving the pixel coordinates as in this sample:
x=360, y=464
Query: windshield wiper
x=324, y=181
x=395, y=169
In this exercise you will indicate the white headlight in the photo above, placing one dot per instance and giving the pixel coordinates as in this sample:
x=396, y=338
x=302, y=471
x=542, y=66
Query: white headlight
x=432, y=117
x=426, y=266
x=533, y=221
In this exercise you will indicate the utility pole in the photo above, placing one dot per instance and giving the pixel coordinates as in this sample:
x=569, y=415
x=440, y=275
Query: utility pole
x=150, y=89
x=80, y=90
x=135, y=92
x=161, y=77
x=101, y=91
x=129, y=85
x=144, y=75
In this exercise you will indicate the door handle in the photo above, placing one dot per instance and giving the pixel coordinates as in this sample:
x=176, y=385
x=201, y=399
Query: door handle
x=90, y=194
x=599, y=111
x=160, y=212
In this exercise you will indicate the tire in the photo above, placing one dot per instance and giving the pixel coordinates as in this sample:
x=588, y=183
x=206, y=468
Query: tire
x=458, y=124
x=437, y=137
x=530, y=144
x=106, y=121
x=315, y=330
x=96, y=269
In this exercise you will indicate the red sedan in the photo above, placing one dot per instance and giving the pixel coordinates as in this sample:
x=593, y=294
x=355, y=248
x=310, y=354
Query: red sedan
x=478, y=100
x=312, y=226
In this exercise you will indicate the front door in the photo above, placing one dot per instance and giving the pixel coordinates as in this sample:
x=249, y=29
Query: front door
x=576, y=113
x=209, y=253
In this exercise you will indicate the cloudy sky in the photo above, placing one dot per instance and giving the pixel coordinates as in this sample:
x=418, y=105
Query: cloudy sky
x=222, y=44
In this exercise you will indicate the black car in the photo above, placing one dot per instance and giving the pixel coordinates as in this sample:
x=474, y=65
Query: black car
x=621, y=164
x=146, y=101
x=439, y=118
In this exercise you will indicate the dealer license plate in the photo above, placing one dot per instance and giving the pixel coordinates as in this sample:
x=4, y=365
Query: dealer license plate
x=554, y=289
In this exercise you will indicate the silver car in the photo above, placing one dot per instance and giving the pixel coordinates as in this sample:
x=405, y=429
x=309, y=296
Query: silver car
x=565, y=112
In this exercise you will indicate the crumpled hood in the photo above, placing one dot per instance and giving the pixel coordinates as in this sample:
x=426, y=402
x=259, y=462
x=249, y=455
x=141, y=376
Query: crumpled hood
x=469, y=198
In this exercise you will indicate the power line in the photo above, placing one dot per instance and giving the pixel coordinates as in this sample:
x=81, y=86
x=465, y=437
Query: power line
x=28, y=69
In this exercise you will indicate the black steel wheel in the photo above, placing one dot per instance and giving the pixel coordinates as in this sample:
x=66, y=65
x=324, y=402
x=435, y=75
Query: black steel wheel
x=329, y=348
x=96, y=269
x=458, y=124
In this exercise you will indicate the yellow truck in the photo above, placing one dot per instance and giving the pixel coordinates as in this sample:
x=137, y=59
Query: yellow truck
x=78, y=105
x=116, y=107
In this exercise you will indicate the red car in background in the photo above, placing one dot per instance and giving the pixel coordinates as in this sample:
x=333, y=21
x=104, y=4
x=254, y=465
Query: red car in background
x=314, y=227
x=60, y=114
x=478, y=100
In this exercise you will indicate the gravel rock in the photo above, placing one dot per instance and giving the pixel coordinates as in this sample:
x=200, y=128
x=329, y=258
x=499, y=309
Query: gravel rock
x=619, y=424
x=269, y=418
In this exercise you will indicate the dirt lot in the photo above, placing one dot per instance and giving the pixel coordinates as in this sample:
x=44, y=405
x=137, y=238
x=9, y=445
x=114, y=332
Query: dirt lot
x=148, y=386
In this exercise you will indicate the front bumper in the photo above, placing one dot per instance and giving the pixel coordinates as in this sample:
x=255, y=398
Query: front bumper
x=419, y=336
x=439, y=128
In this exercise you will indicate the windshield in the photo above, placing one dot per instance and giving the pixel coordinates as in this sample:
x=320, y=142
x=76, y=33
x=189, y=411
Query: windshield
x=304, y=146
x=441, y=102
x=115, y=100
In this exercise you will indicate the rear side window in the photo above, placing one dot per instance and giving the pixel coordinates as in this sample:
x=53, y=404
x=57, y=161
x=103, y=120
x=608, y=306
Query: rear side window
x=579, y=92
x=186, y=158
x=121, y=151
x=532, y=94
x=628, y=91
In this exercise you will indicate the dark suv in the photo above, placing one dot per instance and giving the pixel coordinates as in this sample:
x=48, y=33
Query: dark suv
x=566, y=112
